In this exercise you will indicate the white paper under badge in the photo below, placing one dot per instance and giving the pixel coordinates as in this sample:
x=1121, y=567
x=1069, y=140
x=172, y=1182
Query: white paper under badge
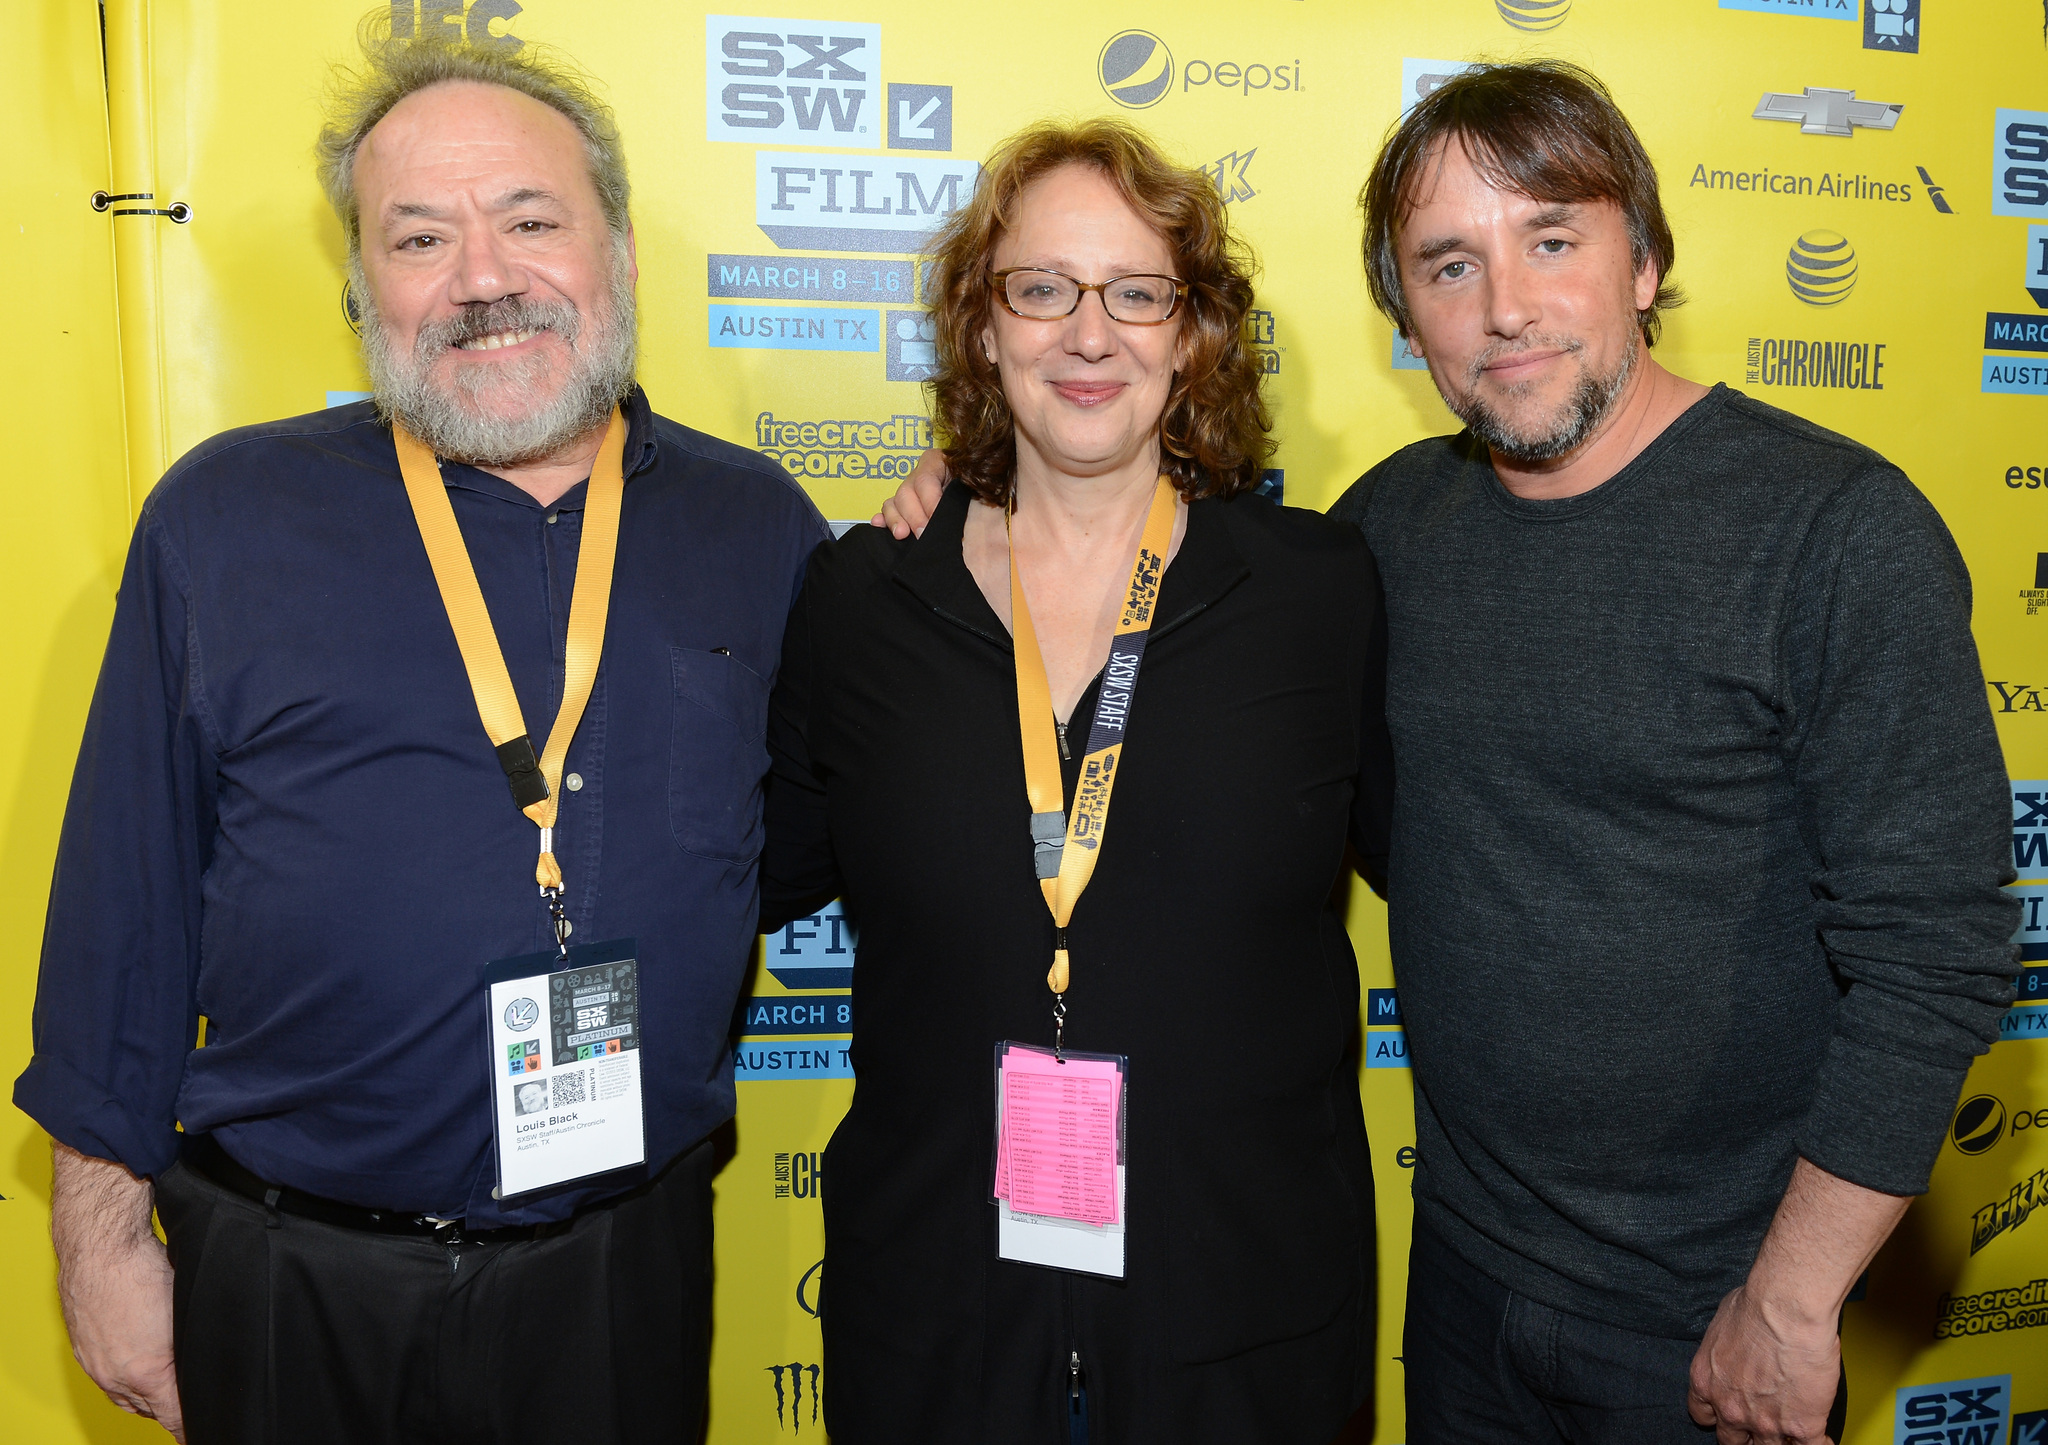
x=565, y=1065
x=1059, y=1167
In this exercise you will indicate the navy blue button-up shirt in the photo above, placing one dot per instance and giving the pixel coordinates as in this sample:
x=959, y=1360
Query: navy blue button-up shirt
x=287, y=817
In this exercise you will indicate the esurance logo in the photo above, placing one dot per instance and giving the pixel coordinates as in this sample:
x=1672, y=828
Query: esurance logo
x=2019, y=164
x=1954, y=1412
x=808, y=82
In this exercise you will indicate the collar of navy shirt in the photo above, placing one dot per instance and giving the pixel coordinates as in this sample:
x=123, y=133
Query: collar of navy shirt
x=934, y=569
x=640, y=453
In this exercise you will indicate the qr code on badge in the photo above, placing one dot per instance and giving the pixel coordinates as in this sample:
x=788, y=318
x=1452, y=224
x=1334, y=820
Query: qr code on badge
x=569, y=1087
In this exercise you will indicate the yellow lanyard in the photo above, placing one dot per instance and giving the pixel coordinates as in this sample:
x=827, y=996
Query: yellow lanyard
x=1065, y=848
x=536, y=783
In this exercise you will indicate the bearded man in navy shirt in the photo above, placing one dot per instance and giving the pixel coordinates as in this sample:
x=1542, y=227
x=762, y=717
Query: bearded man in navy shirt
x=289, y=821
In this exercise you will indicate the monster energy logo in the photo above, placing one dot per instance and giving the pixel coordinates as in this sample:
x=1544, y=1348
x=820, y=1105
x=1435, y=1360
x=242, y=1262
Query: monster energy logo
x=795, y=1394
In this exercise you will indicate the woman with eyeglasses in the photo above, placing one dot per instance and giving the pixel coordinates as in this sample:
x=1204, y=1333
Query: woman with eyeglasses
x=1083, y=760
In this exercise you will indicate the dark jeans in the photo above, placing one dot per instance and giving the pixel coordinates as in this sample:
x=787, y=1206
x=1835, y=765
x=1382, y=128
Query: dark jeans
x=292, y=1332
x=1486, y=1366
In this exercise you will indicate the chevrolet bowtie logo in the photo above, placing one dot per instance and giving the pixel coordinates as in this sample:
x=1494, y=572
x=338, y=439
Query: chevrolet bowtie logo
x=1821, y=111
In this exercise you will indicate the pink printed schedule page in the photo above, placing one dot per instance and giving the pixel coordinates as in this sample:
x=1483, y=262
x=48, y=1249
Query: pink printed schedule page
x=1056, y=1155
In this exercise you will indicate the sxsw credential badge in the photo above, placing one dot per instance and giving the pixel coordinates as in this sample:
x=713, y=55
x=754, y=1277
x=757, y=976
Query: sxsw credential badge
x=565, y=1065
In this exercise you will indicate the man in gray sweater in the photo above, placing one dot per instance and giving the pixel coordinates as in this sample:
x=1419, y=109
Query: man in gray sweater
x=1700, y=818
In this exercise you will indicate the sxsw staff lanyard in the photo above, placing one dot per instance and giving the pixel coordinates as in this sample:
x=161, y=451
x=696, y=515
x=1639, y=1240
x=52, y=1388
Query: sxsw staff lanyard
x=1064, y=846
x=536, y=782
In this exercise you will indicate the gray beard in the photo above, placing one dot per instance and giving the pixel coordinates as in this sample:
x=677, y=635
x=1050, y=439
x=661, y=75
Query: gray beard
x=552, y=410
x=1590, y=402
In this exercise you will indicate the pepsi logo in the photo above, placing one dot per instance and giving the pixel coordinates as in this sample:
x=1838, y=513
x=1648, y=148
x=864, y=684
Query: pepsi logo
x=1135, y=68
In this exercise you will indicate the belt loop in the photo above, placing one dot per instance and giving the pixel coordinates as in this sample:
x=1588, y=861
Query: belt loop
x=270, y=1198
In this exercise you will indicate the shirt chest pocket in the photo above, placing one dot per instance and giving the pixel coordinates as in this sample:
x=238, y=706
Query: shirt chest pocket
x=717, y=755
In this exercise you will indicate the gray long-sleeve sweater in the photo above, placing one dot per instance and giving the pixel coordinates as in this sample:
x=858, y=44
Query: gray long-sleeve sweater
x=1700, y=826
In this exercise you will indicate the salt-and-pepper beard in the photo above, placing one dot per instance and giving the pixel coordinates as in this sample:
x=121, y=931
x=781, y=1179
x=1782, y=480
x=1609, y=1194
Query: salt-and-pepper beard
x=446, y=414
x=1592, y=398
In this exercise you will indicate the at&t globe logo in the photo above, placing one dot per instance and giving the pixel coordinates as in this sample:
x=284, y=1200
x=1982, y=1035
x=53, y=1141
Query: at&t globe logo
x=1821, y=268
x=1135, y=68
x=1979, y=1124
x=1535, y=15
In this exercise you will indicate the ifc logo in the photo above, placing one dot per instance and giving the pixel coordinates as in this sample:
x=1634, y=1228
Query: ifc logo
x=1821, y=268
x=1534, y=15
x=1979, y=1124
x=1135, y=68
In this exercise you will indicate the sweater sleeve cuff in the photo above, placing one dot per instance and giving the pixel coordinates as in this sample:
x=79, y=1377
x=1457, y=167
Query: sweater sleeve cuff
x=78, y=1112
x=1878, y=1118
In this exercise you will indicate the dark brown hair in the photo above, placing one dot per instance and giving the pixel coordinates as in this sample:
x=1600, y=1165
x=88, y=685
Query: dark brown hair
x=1542, y=128
x=1213, y=433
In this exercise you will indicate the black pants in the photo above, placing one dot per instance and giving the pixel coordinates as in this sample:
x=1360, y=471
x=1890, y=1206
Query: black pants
x=291, y=1332
x=1486, y=1366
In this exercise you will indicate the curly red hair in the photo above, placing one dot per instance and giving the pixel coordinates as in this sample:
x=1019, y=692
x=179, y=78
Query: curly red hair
x=1215, y=432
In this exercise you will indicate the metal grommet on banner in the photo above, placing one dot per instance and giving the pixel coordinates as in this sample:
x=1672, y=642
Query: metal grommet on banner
x=178, y=211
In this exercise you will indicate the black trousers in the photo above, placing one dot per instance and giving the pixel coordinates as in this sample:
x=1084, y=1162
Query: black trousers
x=1486, y=1366
x=292, y=1332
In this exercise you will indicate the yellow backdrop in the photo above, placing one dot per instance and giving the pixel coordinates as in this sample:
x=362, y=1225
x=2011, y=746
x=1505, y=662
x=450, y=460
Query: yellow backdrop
x=1862, y=221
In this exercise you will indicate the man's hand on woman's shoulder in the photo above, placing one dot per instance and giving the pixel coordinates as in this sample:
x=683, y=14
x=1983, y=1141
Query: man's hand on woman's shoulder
x=912, y=507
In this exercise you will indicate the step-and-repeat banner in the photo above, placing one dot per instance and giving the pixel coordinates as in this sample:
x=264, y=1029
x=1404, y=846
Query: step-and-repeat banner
x=1860, y=193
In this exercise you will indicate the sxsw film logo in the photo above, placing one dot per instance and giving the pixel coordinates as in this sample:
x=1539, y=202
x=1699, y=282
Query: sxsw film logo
x=1820, y=110
x=819, y=951
x=2020, y=330
x=2030, y=825
x=2019, y=163
x=1420, y=79
x=808, y=81
x=1954, y=1412
x=913, y=346
x=1892, y=25
x=920, y=117
x=890, y=206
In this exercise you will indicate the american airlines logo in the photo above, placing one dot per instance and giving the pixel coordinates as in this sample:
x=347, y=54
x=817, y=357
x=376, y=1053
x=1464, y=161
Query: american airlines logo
x=807, y=82
x=1822, y=111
